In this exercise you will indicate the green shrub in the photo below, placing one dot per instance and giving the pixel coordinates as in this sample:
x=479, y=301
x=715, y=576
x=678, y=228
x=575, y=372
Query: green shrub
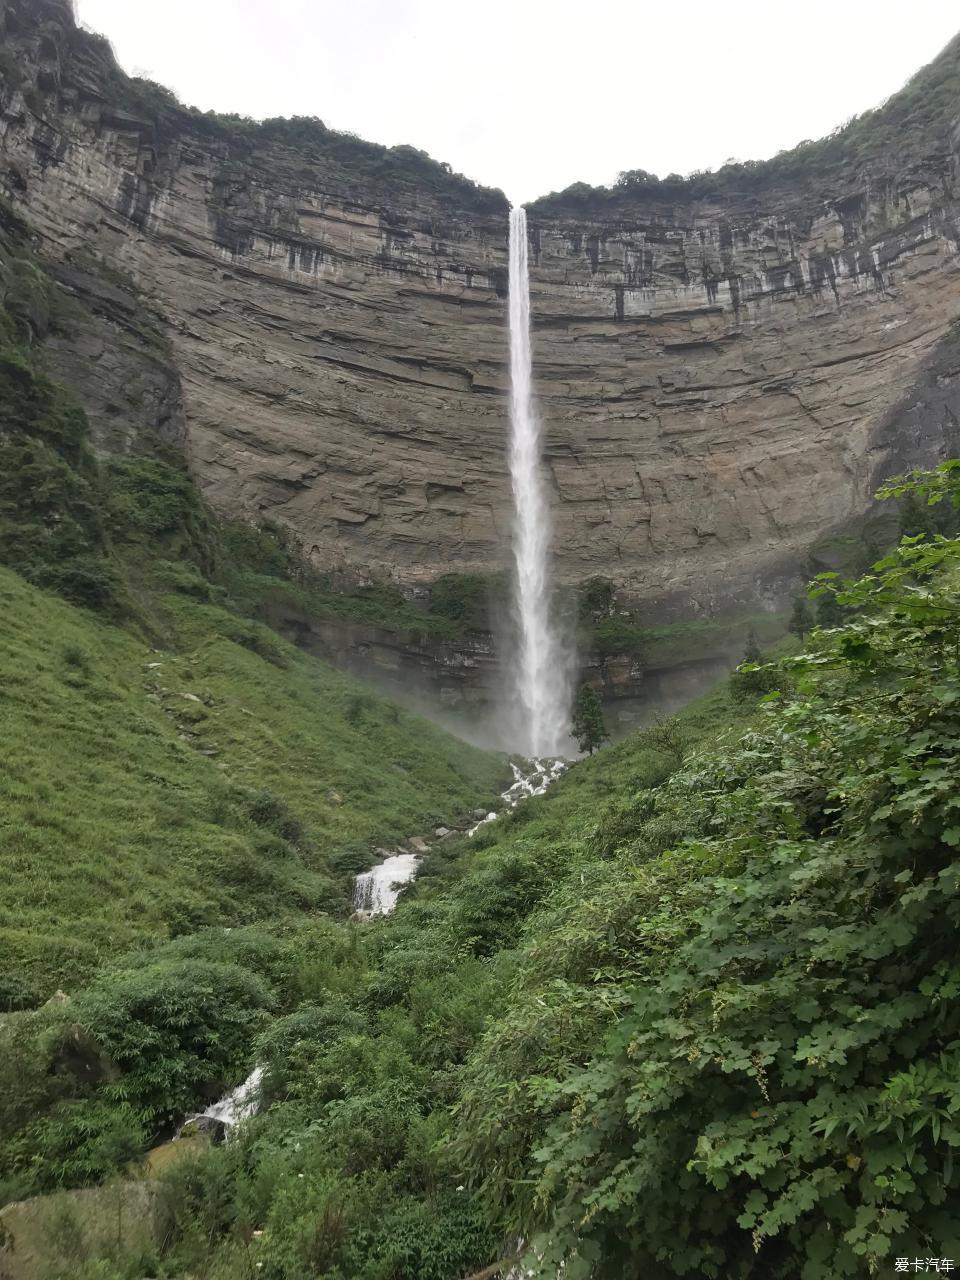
x=255, y=637
x=596, y=599
x=262, y=549
x=76, y=658
x=198, y=1199
x=617, y=636
x=184, y=578
x=174, y=1029
x=359, y=706
x=16, y=993
x=270, y=811
x=444, y=1236
x=465, y=599
x=77, y=1143
x=88, y=581
x=154, y=503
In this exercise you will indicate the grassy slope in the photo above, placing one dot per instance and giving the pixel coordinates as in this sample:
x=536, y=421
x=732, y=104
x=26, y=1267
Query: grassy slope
x=115, y=827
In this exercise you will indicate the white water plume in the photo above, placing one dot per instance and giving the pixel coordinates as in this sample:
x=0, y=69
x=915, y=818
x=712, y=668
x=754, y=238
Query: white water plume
x=542, y=667
x=234, y=1107
x=377, y=890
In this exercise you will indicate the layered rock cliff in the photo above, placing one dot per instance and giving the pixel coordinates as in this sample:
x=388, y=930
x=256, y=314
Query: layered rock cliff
x=723, y=373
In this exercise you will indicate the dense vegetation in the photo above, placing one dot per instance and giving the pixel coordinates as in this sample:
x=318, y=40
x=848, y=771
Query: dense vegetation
x=914, y=123
x=609, y=628
x=692, y=1013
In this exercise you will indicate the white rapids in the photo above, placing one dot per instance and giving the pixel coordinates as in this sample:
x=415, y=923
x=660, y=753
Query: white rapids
x=377, y=890
x=236, y=1106
x=541, y=666
x=542, y=774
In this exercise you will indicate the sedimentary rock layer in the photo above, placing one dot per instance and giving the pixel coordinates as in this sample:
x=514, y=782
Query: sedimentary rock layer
x=722, y=382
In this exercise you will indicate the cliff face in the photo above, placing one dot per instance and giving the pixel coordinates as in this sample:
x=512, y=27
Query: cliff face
x=322, y=325
x=725, y=385
x=339, y=339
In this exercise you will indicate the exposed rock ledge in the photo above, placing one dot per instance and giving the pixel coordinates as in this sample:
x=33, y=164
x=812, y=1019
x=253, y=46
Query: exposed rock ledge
x=721, y=383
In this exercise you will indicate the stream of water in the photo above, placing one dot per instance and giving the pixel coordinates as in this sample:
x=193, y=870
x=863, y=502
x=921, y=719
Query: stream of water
x=377, y=890
x=375, y=894
x=541, y=667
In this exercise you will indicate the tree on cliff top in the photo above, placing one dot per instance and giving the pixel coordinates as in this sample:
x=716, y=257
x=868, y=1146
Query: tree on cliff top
x=588, y=726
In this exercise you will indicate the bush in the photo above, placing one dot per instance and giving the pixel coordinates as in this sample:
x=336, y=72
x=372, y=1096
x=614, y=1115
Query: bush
x=77, y=1143
x=463, y=598
x=153, y=502
x=87, y=581
x=17, y=993
x=268, y=810
x=359, y=706
x=255, y=637
x=263, y=549
x=596, y=599
x=174, y=1029
x=617, y=636
x=447, y=1235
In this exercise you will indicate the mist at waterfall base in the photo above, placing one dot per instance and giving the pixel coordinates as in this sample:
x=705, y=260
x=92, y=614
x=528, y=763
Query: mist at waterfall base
x=536, y=712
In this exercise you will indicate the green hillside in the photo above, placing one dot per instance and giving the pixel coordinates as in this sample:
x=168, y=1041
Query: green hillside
x=147, y=792
x=692, y=1013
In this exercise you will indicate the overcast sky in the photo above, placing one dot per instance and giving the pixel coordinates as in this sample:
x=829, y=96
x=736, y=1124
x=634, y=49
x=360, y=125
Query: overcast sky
x=535, y=94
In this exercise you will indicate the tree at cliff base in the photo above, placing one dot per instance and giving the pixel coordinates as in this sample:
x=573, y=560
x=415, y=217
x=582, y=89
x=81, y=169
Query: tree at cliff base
x=589, y=728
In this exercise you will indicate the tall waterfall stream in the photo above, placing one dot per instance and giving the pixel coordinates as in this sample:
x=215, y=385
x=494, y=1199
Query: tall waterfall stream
x=542, y=666
x=542, y=661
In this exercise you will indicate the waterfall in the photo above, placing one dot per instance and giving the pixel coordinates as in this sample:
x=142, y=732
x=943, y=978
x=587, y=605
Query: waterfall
x=236, y=1106
x=541, y=669
x=376, y=891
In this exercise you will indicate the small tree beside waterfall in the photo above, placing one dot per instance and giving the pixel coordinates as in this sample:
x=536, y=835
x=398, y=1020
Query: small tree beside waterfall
x=802, y=620
x=588, y=725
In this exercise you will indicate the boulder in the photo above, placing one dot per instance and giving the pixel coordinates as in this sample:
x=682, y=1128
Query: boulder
x=204, y=1126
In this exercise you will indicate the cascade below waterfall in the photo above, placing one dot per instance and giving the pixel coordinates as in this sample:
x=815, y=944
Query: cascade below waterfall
x=377, y=890
x=375, y=894
x=541, y=664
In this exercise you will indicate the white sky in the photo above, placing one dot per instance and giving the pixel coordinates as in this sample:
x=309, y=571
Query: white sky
x=535, y=94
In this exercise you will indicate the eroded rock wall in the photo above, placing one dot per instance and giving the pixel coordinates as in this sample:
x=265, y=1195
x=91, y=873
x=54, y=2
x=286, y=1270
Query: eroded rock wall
x=723, y=387
x=722, y=383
